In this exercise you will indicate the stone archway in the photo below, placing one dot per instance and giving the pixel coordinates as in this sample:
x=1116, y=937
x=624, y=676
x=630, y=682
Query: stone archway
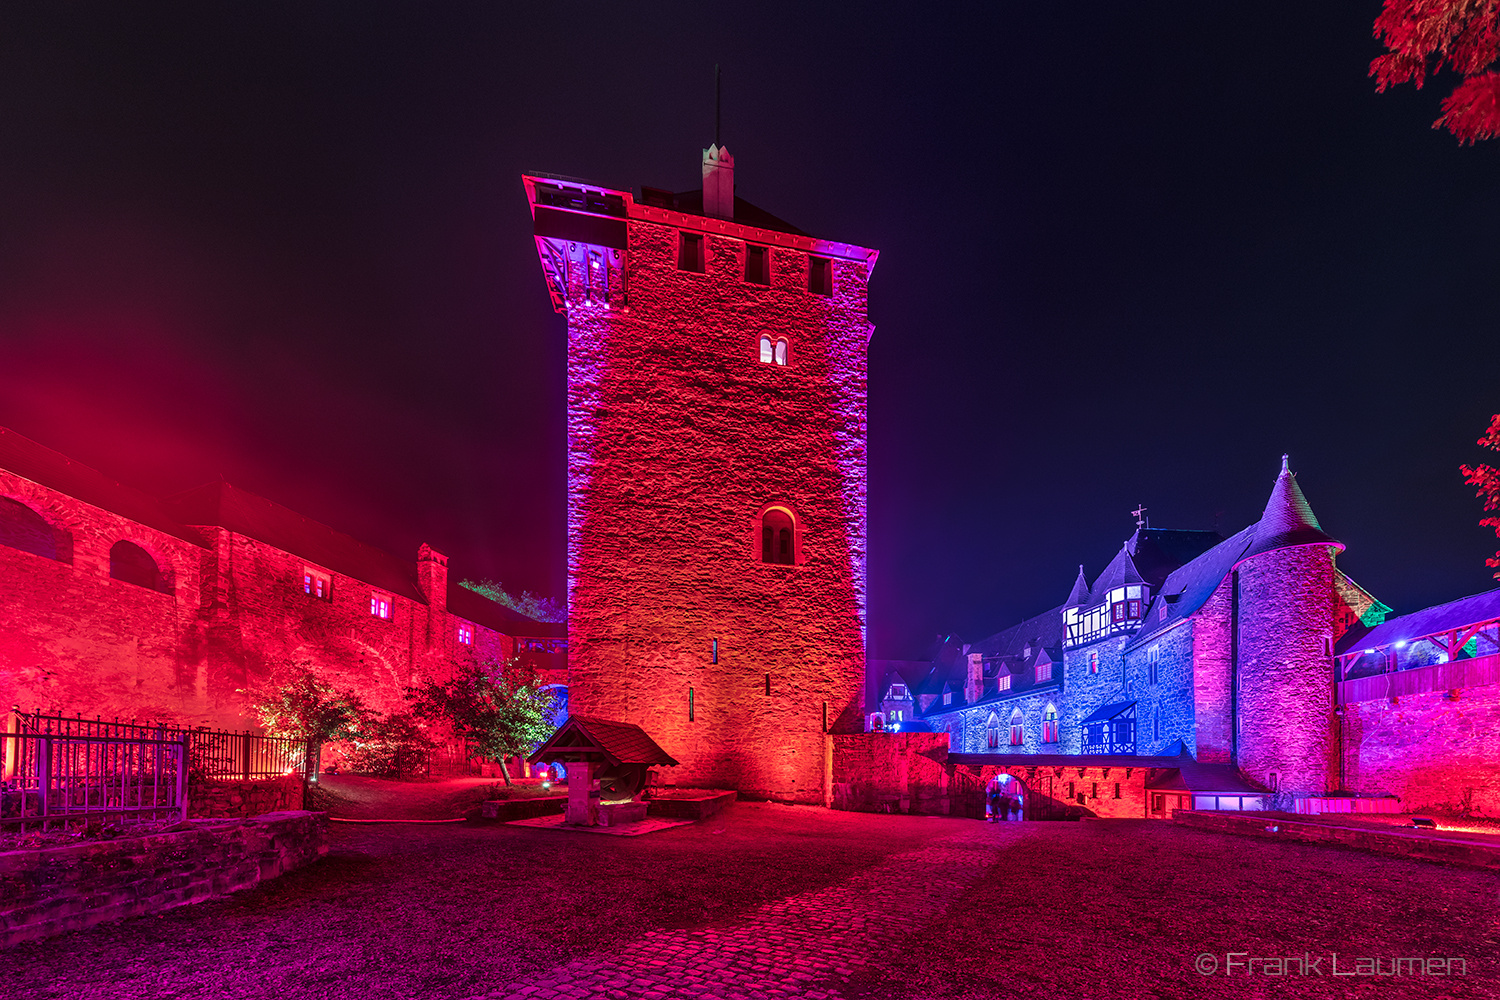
x=1007, y=799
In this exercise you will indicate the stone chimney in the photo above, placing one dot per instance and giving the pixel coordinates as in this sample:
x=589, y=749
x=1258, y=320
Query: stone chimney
x=718, y=182
x=975, y=686
x=432, y=577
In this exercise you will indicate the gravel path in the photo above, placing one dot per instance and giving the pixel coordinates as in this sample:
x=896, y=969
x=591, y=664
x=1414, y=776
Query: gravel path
x=769, y=900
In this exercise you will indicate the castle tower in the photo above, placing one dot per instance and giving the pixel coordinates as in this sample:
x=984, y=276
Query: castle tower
x=716, y=475
x=1284, y=627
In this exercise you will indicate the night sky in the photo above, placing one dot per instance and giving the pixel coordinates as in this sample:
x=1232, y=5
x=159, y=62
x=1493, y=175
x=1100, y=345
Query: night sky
x=1128, y=255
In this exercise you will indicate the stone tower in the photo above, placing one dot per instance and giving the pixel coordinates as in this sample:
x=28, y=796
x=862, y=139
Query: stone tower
x=716, y=475
x=1285, y=622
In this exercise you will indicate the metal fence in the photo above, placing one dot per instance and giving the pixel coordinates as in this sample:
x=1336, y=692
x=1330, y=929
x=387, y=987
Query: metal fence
x=212, y=753
x=59, y=780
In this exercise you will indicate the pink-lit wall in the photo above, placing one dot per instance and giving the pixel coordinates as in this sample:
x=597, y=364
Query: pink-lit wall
x=678, y=437
x=1286, y=627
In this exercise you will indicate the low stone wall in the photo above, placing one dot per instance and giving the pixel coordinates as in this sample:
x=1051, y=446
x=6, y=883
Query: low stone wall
x=890, y=772
x=220, y=799
x=505, y=810
x=1418, y=846
x=690, y=805
x=53, y=890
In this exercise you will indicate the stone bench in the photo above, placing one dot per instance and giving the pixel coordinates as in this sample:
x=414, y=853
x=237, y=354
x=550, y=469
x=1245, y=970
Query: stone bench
x=620, y=813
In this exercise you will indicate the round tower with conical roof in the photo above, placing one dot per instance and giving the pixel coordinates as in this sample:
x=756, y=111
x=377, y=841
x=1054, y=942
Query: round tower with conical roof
x=1285, y=603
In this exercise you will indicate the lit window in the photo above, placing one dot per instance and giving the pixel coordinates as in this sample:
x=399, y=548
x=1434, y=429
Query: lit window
x=1094, y=662
x=380, y=606
x=947, y=697
x=466, y=635
x=898, y=692
x=1017, y=729
x=1153, y=657
x=778, y=544
x=1049, y=725
x=1133, y=609
x=1044, y=671
x=758, y=265
x=820, y=275
x=1002, y=683
x=992, y=734
x=690, y=252
x=1117, y=612
x=316, y=584
x=773, y=352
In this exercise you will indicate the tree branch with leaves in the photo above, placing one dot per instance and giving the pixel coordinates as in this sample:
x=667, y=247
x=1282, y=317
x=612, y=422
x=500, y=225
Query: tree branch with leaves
x=495, y=706
x=1426, y=36
x=297, y=704
x=1487, y=478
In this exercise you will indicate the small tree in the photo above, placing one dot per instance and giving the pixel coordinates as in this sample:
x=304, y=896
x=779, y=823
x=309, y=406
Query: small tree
x=1487, y=478
x=495, y=706
x=296, y=704
x=394, y=745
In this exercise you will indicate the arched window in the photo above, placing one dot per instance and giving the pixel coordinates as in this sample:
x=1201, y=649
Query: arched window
x=133, y=564
x=1049, y=725
x=1017, y=729
x=773, y=351
x=877, y=723
x=992, y=732
x=23, y=528
x=778, y=541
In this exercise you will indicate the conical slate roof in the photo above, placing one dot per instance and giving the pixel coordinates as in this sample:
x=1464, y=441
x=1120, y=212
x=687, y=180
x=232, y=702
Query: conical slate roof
x=1288, y=519
x=1079, y=595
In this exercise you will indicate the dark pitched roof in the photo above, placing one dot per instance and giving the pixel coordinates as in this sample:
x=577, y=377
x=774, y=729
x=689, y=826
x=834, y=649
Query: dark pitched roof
x=56, y=471
x=1156, y=552
x=745, y=213
x=884, y=673
x=1120, y=572
x=1109, y=711
x=1193, y=776
x=1459, y=614
x=586, y=737
x=493, y=615
x=253, y=516
x=1187, y=588
x=1288, y=518
x=1079, y=595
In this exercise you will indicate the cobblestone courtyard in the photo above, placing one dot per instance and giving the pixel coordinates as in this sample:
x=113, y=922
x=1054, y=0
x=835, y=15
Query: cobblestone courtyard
x=768, y=901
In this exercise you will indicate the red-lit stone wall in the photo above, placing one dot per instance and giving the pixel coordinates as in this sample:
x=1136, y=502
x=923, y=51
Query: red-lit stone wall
x=1286, y=623
x=1213, y=665
x=74, y=639
x=678, y=438
x=1438, y=751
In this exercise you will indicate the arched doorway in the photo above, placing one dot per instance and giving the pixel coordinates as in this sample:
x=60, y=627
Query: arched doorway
x=1005, y=798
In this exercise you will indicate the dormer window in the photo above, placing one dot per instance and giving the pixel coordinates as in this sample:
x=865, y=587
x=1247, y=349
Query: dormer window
x=465, y=635
x=1002, y=683
x=898, y=692
x=1044, y=671
x=947, y=697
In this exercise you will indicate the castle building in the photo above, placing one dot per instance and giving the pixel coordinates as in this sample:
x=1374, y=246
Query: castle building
x=1203, y=666
x=117, y=603
x=716, y=474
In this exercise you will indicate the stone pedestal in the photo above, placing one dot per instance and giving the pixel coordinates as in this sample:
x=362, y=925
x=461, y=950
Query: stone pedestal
x=583, y=795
